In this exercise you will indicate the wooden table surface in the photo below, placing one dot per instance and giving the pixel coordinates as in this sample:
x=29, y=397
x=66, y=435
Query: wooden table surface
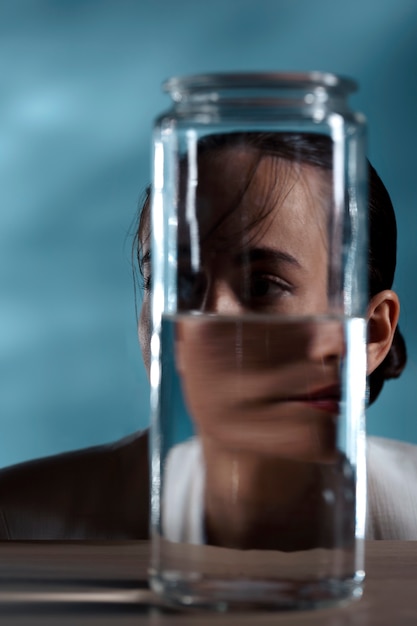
x=84, y=583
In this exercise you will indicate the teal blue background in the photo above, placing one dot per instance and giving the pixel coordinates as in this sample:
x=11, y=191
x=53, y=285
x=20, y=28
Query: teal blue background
x=80, y=86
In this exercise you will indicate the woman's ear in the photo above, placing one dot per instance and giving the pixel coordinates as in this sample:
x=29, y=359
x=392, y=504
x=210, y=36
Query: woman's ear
x=383, y=314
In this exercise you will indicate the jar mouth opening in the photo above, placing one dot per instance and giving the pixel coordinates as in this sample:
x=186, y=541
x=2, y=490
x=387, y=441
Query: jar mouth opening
x=259, y=80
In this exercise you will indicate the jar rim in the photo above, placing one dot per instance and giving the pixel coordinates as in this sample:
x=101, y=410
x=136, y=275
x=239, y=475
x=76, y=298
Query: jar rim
x=259, y=80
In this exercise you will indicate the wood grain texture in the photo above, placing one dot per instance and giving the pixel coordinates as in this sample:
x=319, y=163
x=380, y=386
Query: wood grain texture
x=46, y=583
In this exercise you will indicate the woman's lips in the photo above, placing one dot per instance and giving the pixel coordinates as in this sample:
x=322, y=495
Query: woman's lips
x=326, y=399
x=328, y=405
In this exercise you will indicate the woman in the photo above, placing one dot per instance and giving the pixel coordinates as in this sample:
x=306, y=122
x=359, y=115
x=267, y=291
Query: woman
x=266, y=453
x=103, y=492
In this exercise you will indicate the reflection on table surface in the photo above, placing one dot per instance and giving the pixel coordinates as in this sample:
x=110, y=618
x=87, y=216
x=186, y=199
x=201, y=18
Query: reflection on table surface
x=42, y=582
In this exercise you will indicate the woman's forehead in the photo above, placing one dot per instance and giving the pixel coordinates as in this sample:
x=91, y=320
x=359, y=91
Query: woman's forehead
x=242, y=184
x=241, y=187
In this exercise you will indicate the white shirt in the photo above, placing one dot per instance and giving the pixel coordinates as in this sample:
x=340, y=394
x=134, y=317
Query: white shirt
x=391, y=491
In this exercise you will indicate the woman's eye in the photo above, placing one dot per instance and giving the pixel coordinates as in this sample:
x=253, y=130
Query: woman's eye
x=260, y=287
x=191, y=289
x=265, y=287
x=145, y=270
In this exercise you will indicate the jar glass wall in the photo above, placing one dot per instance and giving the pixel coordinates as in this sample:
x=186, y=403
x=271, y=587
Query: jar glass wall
x=258, y=351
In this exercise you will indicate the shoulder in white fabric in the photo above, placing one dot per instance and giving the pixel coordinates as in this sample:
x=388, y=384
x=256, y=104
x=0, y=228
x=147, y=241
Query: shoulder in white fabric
x=392, y=490
x=182, y=493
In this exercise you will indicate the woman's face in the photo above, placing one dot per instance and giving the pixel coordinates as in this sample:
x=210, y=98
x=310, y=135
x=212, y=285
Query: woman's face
x=260, y=241
x=258, y=385
x=262, y=238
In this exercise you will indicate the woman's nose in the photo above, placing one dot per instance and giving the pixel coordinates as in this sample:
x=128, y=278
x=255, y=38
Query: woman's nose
x=220, y=298
x=326, y=341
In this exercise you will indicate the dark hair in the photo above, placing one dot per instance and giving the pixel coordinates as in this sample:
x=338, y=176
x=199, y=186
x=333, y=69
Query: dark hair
x=382, y=261
x=316, y=150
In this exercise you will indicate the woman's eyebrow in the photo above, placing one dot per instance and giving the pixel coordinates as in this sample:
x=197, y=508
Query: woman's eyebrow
x=265, y=254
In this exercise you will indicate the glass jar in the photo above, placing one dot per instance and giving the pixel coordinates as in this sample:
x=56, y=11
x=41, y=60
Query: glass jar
x=258, y=350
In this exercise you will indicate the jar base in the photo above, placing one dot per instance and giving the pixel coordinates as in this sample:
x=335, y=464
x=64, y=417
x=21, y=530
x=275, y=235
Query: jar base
x=250, y=595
